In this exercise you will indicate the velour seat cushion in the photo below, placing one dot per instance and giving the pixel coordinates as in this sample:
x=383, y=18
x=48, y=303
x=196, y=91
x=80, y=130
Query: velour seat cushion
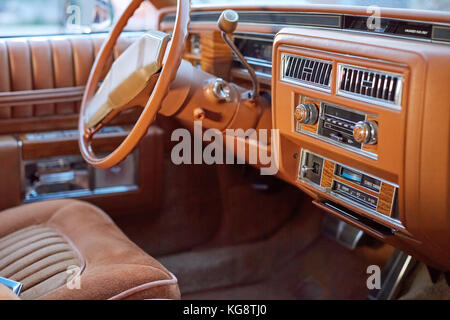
x=68, y=249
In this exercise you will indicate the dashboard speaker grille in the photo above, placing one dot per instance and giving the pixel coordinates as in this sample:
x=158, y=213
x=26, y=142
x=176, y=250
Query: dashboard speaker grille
x=306, y=71
x=370, y=85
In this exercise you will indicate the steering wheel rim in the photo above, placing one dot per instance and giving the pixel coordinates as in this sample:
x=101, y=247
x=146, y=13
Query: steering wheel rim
x=172, y=60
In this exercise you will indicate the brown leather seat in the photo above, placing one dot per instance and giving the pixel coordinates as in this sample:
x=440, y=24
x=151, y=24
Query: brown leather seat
x=47, y=245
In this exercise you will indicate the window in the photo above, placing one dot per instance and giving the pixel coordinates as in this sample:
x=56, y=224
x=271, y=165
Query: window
x=404, y=4
x=50, y=17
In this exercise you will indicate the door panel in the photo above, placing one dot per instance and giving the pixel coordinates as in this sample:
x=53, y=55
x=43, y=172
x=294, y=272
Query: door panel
x=20, y=74
x=37, y=63
x=5, y=111
x=63, y=71
x=41, y=60
x=42, y=81
x=83, y=58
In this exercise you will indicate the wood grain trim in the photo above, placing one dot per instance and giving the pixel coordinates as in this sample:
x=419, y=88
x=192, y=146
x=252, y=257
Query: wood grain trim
x=42, y=96
x=216, y=56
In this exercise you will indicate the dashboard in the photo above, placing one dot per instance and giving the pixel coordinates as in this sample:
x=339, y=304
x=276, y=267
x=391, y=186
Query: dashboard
x=257, y=50
x=362, y=113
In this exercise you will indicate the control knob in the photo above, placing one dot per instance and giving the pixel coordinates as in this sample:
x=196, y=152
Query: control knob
x=366, y=132
x=307, y=113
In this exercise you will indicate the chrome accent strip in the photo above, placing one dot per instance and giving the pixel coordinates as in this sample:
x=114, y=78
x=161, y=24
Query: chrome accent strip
x=129, y=34
x=251, y=60
x=82, y=193
x=358, y=205
x=400, y=276
x=397, y=267
x=257, y=62
x=115, y=189
x=254, y=36
x=243, y=73
x=341, y=145
x=15, y=286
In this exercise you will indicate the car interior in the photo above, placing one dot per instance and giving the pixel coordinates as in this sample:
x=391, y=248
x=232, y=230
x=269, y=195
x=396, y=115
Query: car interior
x=263, y=151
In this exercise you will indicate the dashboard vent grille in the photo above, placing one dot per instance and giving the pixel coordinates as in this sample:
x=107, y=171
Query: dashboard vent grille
x=306, y=71
x=369, y=85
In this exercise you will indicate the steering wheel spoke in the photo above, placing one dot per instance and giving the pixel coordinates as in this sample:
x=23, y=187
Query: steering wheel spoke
x=141, y=76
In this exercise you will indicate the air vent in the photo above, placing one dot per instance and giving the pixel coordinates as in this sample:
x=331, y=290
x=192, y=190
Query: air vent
x=306, y=71
x=369, y=85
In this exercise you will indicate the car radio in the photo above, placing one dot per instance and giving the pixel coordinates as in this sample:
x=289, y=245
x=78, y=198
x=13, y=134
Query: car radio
x=369, y=193
x=353, y=130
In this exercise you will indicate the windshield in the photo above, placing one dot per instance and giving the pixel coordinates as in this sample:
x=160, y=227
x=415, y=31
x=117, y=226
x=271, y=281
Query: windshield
x=45, y=17
x=440, y=5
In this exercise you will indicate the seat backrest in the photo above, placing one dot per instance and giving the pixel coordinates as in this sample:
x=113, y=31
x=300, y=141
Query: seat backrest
x=45, y=64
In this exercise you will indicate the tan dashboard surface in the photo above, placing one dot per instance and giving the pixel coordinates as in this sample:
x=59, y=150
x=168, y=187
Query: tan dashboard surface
x=413, y=142
x=412, y=153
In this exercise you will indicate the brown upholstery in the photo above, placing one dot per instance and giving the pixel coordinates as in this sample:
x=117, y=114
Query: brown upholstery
x=39, y=242
x=38, y=257
x=47, y=63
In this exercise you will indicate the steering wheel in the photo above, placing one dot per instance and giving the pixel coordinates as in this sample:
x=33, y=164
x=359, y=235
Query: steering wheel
x=146, y=69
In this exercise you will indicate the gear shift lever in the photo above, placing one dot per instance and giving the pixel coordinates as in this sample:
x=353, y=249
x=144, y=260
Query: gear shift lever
x=227, y=23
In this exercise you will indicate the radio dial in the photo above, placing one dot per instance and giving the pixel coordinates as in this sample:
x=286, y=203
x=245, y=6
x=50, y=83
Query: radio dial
x=366, y=132
x=306, y=113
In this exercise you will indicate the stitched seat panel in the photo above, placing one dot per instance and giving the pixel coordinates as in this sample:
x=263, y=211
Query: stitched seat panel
x=39, y=257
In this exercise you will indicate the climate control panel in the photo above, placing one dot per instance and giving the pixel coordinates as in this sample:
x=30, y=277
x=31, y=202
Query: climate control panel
x=350, y=129
x=357, y=188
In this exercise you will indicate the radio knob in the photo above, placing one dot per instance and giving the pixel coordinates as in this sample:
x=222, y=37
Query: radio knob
x=307, y=113
x=366, y=132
